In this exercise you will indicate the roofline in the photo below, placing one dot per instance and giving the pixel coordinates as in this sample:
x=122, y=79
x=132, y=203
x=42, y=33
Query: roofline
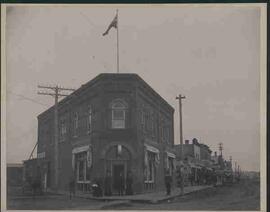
x=14, y=165
x=156, y=93
x=95, y=80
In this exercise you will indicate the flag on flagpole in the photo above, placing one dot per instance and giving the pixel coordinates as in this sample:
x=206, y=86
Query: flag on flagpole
x=112, y=24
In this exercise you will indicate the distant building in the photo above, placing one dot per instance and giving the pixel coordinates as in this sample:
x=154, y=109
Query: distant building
x=214, y=158
x=115, y=123
x=14, y=174
x=192, y=156
x=190, y=150
x=205, y=152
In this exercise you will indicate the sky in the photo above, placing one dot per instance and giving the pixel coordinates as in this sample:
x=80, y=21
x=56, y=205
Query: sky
x=209, y=54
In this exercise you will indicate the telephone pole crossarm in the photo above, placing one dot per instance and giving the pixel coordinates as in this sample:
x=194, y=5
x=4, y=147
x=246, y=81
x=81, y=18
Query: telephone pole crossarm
x=66, y=89
x=45, y=93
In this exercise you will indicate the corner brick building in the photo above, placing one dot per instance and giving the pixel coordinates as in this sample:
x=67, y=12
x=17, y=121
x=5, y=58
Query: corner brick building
x=116, y=123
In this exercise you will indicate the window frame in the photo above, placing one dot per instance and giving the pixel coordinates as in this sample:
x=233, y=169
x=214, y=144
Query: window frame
x=81, y=157
x=89, y=119
x=63, y=129
x=123, y=108
x=75, y=124
x=151, y=169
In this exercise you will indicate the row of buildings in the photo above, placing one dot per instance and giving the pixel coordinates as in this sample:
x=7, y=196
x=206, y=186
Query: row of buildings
x=198, y=160
x=115, y=123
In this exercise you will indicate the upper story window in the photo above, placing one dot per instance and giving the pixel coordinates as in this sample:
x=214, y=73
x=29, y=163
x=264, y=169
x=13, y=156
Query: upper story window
x=161, y=127
x=76, y=123
x=63, y=128
x=165, y=131
x=143, y=120
x=89, y=119
x=153, y=124
x=119, y=108
x=148, y=121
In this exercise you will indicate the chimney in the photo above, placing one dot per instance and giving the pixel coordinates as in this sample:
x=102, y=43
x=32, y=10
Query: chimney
x=194, y=141
x=186, y=141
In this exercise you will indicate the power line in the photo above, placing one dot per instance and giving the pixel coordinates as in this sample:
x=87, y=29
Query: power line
x=87, y=19
x=27, y=98
x=24, y=134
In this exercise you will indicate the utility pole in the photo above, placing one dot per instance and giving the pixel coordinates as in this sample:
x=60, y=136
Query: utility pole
x=117, y=35
x=179, y=98
x=235, y=171
x=231, y=162
x=220, y=148
x=56, y=94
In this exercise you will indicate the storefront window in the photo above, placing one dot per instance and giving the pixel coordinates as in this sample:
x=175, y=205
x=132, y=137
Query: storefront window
x=150, y=168
x=81, y=171
x=81, y=167
x=170, y=161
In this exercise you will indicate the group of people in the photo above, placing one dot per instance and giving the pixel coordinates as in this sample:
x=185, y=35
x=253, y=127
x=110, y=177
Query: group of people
x=183, y=178
x=204, y=177
x=34, y=184
x=122, y=185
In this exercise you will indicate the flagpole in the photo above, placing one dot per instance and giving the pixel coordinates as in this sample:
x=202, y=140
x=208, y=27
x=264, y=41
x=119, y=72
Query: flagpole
x=117, y=41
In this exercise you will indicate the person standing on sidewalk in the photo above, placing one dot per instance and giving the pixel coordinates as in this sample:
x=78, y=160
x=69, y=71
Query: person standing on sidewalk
x=168, y=182
x=108, y=184
x=129, y=182
x=120, y=183
x=71, y=187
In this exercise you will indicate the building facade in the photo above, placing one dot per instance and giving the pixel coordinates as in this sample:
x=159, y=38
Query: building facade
x=14, y=174
x=197, y=160
x=114, y=123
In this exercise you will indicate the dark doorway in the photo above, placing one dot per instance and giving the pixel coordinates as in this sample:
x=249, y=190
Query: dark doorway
x=118, y=169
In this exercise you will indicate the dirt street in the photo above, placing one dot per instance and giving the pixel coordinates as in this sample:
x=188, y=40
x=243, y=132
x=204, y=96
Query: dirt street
x=242, y=196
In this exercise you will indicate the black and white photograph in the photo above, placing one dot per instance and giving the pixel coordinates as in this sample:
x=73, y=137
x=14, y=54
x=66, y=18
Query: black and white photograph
x=133, y=107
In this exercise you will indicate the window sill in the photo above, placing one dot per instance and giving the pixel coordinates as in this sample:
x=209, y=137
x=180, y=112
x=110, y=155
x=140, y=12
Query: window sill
x=149, y=182
x=81, y=182
x=119, y=128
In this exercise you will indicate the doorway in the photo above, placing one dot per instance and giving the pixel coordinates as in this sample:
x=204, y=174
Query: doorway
x=117, y=171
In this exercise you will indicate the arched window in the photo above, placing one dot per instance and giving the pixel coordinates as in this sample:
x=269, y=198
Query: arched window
x=119, y=108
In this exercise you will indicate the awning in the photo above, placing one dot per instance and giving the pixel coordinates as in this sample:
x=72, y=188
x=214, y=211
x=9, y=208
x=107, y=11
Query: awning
x=80, y=149
x=171, y=155
x=89, y=155
x=151, y=148
x=193, y=165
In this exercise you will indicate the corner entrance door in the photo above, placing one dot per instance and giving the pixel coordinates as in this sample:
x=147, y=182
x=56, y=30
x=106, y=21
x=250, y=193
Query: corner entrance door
x=118, y=169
